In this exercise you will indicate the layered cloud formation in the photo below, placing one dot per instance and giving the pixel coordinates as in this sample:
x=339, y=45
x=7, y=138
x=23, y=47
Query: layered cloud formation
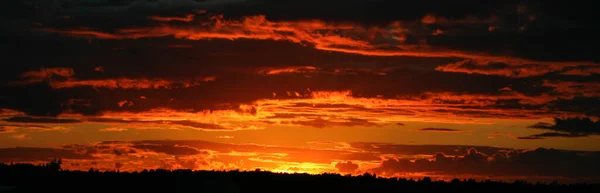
x=428, y=68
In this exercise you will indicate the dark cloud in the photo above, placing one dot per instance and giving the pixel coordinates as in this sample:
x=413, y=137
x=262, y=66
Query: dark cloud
x=577, y=125
x=440, y=130
x=169, y=149
x=588, y=106
x=185, y=123
x=199, y=125
x=541, y=125
x=512, y=163
x=22, y=154
x=40, y=120
x=52, y=120
x=398, y=149
x=567, y=127
x=550, y=135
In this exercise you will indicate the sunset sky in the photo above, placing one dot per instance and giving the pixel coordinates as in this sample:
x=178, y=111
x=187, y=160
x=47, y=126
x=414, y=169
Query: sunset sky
x=488, y=89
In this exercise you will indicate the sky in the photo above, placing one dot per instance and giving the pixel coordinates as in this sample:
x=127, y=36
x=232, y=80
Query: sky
x=497, y=90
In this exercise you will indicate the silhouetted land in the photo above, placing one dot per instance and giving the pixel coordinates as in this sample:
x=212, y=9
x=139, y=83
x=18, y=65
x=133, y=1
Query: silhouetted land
x=50, y=178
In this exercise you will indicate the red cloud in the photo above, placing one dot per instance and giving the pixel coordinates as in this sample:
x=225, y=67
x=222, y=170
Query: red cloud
x=187, y=18
x=291, y=69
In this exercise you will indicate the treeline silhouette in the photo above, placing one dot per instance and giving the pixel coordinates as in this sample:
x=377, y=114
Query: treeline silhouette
x=50, y=178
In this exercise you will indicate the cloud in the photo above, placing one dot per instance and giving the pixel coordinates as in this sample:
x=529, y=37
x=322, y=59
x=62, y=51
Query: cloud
x=393, y=66
x=112, y=129
x=125, y=103
x=137, y=121
x=500, y=68
x=312, y=32
x=46, y=73
x=541, y=125
x=583, y=106
x=567, y=127
x=512, y=163
x=550, y=135
x=586, y=71
x=322, y=123
x=294, y=69
x=187, y=18
x=99, y=69
x=440, y=130
x=400, y=149
x=199, y=125
x=169, y=149
x=66, y=79
x=576, y=126
x=23, y=154
x=19, y=136
x=572, y=89
x=7, y=129
x=130, y=83
x=347, y=167
x=11, y=128
x=182, y=123
x=398, y=160
x=48, y=120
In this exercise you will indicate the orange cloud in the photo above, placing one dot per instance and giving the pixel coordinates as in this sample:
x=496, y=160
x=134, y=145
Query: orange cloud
x=324, y=109
x=8, y=128
x=125, y=103
x=339, y=107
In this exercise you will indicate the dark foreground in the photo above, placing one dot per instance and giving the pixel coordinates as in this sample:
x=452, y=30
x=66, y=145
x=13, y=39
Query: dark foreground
x=49, y=178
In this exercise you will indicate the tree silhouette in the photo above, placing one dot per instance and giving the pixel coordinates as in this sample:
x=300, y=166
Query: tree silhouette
x=50, y=178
